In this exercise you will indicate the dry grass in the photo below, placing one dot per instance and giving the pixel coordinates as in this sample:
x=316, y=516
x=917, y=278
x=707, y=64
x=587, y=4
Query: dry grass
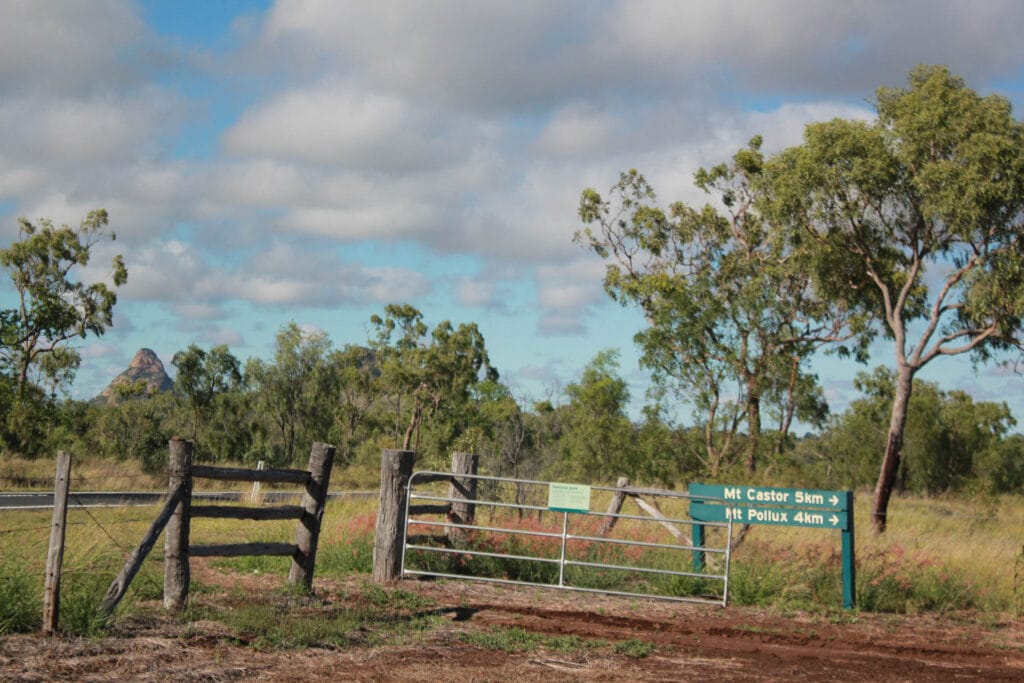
x=976, y=542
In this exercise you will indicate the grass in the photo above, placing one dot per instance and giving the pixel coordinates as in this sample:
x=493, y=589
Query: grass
x=512, y=639
x=939, y=556
x=285, y=619
x=516, y=639
x=89, y=474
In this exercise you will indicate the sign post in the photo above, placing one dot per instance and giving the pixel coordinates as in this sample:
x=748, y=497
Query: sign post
x=779, y=507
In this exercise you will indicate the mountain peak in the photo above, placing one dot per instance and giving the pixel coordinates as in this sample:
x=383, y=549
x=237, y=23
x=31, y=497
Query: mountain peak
x=146, y=369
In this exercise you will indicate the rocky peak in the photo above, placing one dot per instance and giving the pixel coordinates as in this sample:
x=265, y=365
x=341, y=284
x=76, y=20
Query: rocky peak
x=146, y=371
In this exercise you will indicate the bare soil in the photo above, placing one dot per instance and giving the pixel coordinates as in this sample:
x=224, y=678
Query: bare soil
x=691, y=642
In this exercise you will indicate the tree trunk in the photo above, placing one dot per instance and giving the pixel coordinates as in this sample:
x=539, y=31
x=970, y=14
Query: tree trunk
x=753, y=429
x=893, y=448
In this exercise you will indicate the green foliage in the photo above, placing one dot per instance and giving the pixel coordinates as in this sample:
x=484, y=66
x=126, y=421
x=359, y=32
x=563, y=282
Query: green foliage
x=355, y=556
x=951, y=441
x=893, y=583
x=916, y=221
x=202, y=376
x=53, y=308
x=428, y=379
x=21, y=600
x=80, y=595
x=633, y=648
x=597, y=441
x=731, y=319
x=136, y=430
x=1001, y=466
x=291, y=395
x=275, y=622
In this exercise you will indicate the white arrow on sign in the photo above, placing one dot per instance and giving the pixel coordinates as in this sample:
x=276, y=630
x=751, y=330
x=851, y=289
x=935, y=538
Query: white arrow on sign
x=834, y=520
x=834, y=500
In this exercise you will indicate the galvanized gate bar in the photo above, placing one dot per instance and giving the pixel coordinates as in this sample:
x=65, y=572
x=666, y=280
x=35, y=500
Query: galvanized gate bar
x=563, y=560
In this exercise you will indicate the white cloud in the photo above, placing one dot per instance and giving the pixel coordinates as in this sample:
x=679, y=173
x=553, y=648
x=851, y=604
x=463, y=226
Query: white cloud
x=577, y=130
x=450, y=127
x=339, y=125
x=566, y=292
x=69, y=45
x=225, y=335
x=485, y=55
x=802, y=46
x=199, y=311
x=473, y=292
x=281, y=275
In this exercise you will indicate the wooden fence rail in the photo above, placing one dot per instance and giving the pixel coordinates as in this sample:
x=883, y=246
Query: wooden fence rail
x=175, y=520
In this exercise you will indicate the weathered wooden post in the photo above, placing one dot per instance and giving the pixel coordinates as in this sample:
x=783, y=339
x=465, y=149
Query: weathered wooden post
x=255, y=497
x=395, y=471
x=614, y=507
x=307, y=534
x=176, y=569
x=124, y=579
x=462, y=490
x=55, y=554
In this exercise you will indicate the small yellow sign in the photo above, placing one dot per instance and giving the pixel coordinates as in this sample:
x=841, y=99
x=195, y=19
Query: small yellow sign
x=568, y=497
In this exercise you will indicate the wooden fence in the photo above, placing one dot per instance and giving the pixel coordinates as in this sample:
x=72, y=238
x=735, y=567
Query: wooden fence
x=176, y=515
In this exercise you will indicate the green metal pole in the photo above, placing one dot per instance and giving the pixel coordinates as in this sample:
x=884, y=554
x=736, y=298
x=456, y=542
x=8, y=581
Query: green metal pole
x=698, y=542
x=849, y=561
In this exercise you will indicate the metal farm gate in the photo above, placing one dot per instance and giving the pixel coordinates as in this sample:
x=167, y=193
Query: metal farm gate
x=524, y=532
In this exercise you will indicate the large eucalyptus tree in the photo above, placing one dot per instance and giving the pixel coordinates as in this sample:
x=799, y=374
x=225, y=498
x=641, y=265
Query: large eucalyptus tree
x=731, y=317
x=917, y=218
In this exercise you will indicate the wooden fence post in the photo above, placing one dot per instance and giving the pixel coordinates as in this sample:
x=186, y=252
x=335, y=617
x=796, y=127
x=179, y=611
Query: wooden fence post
x=395, y=471
x=255, y=497
x=55, y=554
x=176, y=568
x=614, y=507
x=307, y=533
x=124, y=579
x=462, y=489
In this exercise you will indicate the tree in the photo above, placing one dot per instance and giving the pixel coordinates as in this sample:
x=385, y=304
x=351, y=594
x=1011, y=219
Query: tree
x=730, y=312
x=202, y=376
x=428, y=378
x=917, y=220
x=53, y=308
x=952, y=440
x=357, y=375
x=598, y=441
x=296, y=394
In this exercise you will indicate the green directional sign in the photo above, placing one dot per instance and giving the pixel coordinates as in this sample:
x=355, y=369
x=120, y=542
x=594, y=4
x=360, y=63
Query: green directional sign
x=783, y=507
x=824, y=519
x=760, y=495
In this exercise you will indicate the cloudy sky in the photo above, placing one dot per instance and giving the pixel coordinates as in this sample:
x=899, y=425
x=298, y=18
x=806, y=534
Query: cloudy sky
x=315, y=160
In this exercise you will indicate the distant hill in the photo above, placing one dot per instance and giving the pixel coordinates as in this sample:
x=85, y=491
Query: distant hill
x=145, y=367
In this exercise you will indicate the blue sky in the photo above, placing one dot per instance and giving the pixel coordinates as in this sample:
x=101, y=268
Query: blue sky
x=313, y=161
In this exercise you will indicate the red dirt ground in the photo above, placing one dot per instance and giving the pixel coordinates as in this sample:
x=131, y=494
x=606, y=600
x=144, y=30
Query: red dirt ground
x=691, y=642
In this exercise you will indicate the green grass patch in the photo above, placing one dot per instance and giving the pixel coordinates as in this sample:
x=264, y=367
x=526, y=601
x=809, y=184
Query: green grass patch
x=286, y=619
x=21, y=601
x=633, y=647
x=516, y=639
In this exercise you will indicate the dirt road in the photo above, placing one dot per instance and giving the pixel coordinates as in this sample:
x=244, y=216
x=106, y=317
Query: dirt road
x=689, y=643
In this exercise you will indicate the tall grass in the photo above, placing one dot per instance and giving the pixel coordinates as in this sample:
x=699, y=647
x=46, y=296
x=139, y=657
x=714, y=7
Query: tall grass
x=90, y=474
x=97, y=542
x=939, y=555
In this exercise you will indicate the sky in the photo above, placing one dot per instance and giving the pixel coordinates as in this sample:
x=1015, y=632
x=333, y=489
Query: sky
x=312, y=161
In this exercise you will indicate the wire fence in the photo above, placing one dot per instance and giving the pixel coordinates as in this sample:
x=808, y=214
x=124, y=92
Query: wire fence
x=97, y=543
x=106, y=482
